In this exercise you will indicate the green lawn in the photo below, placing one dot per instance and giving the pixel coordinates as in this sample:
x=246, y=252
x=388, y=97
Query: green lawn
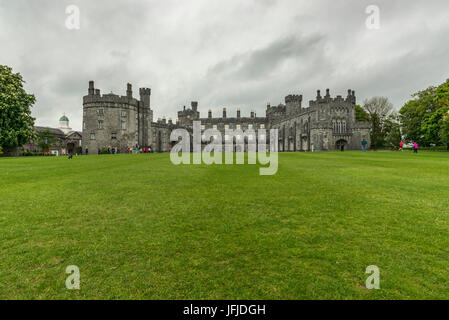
x=139, y=227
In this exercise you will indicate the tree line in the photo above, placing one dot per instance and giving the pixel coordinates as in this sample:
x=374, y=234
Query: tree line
x=424, y=118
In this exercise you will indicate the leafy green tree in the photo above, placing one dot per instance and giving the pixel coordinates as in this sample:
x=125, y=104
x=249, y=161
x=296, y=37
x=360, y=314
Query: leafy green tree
x=423, y=117
x=445, y=129
x=361, y=114
x=376, y=132
x=392, y=131
x=45, y=139
x=1, y=151
x=379, y=110
x=16, y=123
x=432, y=127
x=442, y=95
x=442, y=99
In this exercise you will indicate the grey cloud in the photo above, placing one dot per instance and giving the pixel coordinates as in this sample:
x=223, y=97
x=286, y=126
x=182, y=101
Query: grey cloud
x=222, y=53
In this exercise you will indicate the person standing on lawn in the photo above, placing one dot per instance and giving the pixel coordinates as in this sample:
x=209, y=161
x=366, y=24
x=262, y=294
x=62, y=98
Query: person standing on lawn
x=415, y=147
x=364, y=143
x=401, y=145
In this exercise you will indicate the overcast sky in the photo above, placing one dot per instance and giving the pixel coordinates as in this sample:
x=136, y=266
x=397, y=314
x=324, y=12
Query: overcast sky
x=222, y=53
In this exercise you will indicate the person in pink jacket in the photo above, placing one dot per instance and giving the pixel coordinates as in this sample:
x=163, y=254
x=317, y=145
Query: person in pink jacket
x=415, y=147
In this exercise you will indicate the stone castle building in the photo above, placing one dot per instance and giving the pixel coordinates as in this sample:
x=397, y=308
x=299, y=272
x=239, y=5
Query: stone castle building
x=122, y=122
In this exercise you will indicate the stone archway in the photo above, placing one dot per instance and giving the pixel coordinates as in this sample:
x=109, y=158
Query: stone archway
x=341, y=144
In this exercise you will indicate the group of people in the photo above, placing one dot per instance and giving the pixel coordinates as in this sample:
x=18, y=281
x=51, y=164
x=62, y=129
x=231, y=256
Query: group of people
x=140, y=150
x=113, y=150
x=109, y=150
x=401, y=146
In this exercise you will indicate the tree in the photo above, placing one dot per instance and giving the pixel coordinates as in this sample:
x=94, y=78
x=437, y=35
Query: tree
x=45, y=139
x=379, y=109
x=1, y=152
x=445, y=128
x=16, y=123
x=423, y=117
x=378, y=105
x=392, y=130
x=361, y=114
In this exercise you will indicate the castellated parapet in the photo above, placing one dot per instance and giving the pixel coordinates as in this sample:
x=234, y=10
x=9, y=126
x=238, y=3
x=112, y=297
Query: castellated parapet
x=327, y=124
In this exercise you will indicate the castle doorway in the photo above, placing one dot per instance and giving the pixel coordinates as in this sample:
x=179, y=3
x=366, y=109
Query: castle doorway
x=341, y=145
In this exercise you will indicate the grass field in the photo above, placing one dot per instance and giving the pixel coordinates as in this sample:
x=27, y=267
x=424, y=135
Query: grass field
x=139, y=227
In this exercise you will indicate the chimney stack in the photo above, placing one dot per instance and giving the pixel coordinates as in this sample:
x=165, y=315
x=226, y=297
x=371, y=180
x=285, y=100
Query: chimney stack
x=224, y=112
x=209, y=114
x=129, y=91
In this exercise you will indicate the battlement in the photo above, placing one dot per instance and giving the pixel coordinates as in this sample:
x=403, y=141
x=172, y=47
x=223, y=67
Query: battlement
x=94, y=97
x=145, y=92
x=292, y=98
x=350, y=98
x=110, y=99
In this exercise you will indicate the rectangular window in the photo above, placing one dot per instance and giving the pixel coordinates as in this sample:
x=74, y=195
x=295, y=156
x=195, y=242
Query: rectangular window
x=250, y=126
x=84, y=124
x=92, y=136
x=262, y=126
x=100, y=112
x=203, y=127
x=226, y=137
x=238, y=127
x=100, y=124
x=226, y=126
x=214, y=127
x=123, y=125
x=124, y=113
x=113, y=135
x=84, y=113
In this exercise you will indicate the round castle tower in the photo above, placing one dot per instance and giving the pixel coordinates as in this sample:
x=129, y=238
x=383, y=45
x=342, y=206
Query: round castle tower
x=113, y=121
